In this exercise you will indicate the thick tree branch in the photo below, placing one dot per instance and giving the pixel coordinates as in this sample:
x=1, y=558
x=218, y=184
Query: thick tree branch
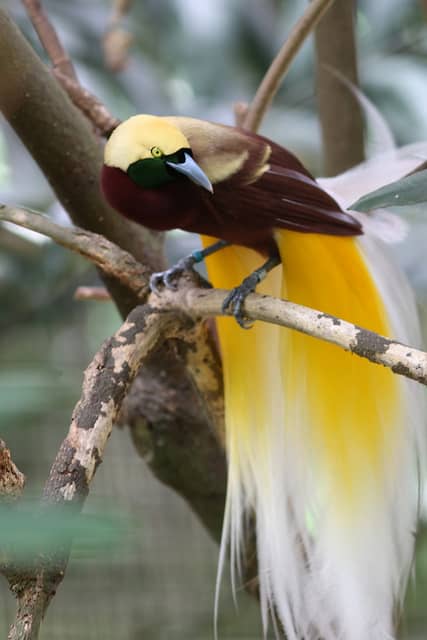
x=278, y=68
x=341, y=118
x=106, y=382
x=61, y=141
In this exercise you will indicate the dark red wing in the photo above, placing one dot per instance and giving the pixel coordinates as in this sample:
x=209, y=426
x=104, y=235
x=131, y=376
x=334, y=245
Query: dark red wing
x=296, y=200
x=286, y=198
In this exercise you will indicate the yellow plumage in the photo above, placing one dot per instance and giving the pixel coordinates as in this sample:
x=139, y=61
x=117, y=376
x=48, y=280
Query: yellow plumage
x=315, y=436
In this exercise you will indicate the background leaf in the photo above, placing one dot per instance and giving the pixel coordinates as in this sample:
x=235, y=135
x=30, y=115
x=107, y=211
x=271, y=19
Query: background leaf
x=410, y=190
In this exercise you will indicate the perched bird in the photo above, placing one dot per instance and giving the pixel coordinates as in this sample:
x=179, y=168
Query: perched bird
x=322, y=446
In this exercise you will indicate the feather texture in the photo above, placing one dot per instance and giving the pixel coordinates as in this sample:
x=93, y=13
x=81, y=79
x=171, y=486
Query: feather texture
x=322, y=445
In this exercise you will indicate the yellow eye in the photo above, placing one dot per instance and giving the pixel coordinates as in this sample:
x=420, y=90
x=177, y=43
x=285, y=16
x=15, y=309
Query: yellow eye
x=156, y=152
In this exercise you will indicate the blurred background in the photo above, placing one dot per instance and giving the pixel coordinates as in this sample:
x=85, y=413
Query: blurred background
x=152, y=572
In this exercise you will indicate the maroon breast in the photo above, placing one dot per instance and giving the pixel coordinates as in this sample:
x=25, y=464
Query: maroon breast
x=171, y=207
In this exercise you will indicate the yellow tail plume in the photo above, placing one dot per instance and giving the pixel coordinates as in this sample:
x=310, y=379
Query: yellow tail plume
x=322, y=445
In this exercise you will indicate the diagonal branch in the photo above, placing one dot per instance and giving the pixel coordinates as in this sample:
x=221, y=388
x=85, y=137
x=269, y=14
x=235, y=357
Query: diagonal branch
x=49, y=38
x=400, y=358
x=201, y=360
x=104, y=254
x=106, y=382
x=64, y=71
x=201, y=303
x=88, y=104
x=281, y=63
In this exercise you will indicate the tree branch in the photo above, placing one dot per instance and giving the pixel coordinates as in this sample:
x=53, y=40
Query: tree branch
x=201, y=360
x=106, y=382
x=64, y=71
x=88, y=104
x=340, y=115
x=400, y=358
x=49, y=38
x=202, y=303
x=108, y=378
x=63, y=144
x=117, y=40
x=278, y=68
x=104, y=254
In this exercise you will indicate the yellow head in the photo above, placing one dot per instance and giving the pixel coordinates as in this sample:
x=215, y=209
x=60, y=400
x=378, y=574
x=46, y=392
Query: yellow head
x=153, y=152
x=139, y=138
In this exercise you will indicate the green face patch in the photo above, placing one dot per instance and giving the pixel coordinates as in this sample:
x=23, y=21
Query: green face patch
x=150, y=173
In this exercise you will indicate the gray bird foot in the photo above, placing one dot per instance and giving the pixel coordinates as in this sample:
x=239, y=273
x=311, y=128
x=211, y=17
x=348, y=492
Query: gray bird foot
x=235, y=300
x=170, y=277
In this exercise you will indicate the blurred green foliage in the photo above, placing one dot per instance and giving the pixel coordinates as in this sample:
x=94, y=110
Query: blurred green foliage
x=194, y=58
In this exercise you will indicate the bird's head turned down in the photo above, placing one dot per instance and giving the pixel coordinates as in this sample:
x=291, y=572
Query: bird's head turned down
x=153, y=152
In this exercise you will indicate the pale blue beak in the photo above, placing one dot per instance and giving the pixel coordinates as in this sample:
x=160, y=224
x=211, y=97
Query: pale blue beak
x=192, y=171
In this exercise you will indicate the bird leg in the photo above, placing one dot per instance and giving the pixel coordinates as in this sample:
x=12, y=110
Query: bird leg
x=166, y=278
x=236, y=298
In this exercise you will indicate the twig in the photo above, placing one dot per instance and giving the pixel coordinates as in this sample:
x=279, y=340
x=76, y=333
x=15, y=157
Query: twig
x=88, y=104
x=117, y=40
x=49, y=38
x=274, y=76
x=92, y=293
x=64, y=71
x=104, y=254
x=423, y=4
x=240, y=110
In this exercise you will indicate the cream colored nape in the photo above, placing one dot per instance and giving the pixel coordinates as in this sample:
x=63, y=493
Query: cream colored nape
x=134, y=138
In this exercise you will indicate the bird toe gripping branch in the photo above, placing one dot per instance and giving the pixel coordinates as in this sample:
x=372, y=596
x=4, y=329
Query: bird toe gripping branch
x=170, y=277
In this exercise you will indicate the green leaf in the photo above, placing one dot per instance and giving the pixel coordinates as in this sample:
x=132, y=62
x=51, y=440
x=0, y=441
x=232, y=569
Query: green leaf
x=407, y=191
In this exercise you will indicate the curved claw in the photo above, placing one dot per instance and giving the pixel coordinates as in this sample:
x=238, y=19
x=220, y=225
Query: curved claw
x=156, y=281
x=235, y=301
x=167, y=278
